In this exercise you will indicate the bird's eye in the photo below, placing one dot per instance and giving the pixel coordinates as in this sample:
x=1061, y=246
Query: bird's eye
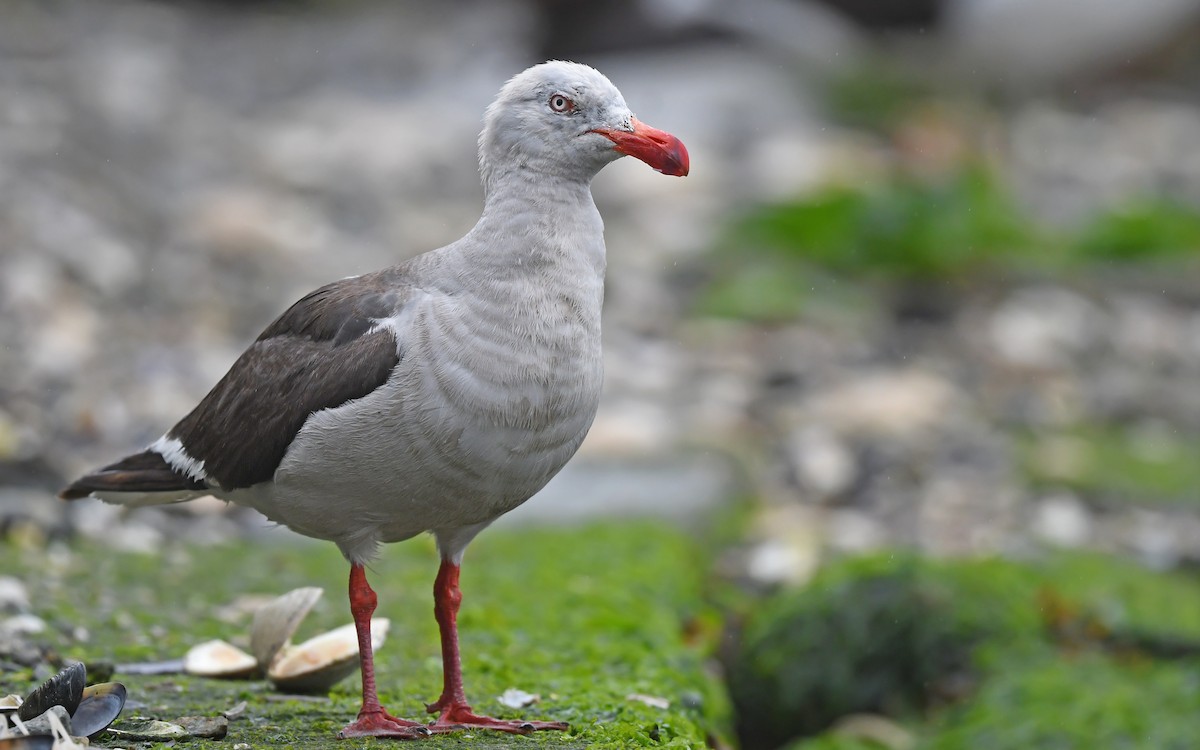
x=560, y=103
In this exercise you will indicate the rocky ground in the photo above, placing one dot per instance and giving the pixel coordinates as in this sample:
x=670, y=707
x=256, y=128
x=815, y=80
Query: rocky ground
x=173, y=176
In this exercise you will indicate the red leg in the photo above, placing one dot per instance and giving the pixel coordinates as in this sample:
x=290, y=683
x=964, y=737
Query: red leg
x=373, y=720
x=452, y=707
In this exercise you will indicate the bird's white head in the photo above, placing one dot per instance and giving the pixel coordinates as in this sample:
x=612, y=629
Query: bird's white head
x=568, y=119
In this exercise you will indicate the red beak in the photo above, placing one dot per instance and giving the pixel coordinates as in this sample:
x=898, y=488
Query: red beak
x=662, y=151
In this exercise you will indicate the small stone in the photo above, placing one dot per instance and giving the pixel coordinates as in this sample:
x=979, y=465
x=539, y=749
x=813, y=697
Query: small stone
x=150, y=731
x=1154, y=538
x=208, y=727
x=42, y=724
x=1043, y=328
x=822, y=462
x=653, y=701
x=1063, y=520
x=898, y=403
x=235, y=712
x=855, y=531
x=775, y=561
x=22, y=625
x=14, y=597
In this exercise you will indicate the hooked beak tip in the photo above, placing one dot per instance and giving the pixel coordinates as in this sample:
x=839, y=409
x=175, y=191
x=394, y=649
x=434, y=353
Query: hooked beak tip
x=662, y=151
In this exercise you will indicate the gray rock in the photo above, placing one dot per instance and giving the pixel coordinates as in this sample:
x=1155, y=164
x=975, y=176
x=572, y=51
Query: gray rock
x=14, y=596
x=823, y=463
x=42, y=724
x=1062, y=520
x=207, y=727
x=1044, y=327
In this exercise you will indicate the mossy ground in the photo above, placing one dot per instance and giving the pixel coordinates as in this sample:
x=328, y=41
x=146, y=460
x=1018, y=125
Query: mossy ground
x=1074, y=651
x=1113, y=465
x=583, y=617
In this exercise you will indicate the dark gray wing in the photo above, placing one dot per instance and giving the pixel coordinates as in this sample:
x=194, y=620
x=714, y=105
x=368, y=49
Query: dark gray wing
x=319, y=354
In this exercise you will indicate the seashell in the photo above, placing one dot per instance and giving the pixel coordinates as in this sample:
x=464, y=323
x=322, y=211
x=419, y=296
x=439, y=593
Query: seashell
x=101, y=704
x=275, y=623
x=219, y=659
x=63, y=689
x=322, y=661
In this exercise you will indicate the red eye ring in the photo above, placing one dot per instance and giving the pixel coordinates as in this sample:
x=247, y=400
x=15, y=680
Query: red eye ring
x=560, y=103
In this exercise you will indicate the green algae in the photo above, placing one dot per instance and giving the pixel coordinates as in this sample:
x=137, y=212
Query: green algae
x=1069, y=650
x=582, y=617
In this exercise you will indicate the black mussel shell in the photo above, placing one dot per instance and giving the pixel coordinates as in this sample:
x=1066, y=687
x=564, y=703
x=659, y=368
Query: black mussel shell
x=101, y=704
x=63, y=689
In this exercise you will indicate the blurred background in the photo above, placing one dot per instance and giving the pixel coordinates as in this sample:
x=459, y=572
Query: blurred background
x=921, y=330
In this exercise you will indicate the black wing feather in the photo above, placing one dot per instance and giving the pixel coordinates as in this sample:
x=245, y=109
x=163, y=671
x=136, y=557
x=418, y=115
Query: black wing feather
x=321, y=353
x=142, y=472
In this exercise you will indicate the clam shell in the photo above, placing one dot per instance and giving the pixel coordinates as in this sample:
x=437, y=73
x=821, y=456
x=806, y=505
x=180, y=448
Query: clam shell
x=101, y=704
x=275, y=623
x=219, y=659
x=63, y=689
x=322, y=661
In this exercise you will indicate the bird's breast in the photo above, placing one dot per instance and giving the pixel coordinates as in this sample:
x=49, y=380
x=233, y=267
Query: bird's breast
x=537, y=368
x=488, y=402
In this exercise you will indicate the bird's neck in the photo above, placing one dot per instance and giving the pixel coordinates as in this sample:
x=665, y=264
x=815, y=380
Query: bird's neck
x=523, y=191
x=538, y=217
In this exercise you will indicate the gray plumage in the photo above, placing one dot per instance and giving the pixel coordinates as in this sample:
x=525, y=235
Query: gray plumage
x=440, y=393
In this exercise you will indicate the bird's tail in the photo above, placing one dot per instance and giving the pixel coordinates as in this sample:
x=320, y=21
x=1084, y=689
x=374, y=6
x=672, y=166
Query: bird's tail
x=141, y=479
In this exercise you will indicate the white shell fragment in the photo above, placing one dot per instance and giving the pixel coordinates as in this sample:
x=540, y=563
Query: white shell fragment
x=276, y=622
x=653, y=701
x=319, y=663
x=313, y=666
x=517, y=698
x=219, y=659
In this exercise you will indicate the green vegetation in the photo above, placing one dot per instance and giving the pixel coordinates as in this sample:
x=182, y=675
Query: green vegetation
x=952, y=229
x=1117, y=465
x=582, y=617
x=867, y=644
x=1069, y=651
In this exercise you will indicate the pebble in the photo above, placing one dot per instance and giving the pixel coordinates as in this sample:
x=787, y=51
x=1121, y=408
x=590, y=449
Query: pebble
x=1062, y=520
x=901, y=403
x=44, y=723
x=654, y=701
x=823, y=463
x=153, y=730
x=236, y=711
x=207, y=727
x=1043, y=327
x=23, y=624
x=14, y=597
